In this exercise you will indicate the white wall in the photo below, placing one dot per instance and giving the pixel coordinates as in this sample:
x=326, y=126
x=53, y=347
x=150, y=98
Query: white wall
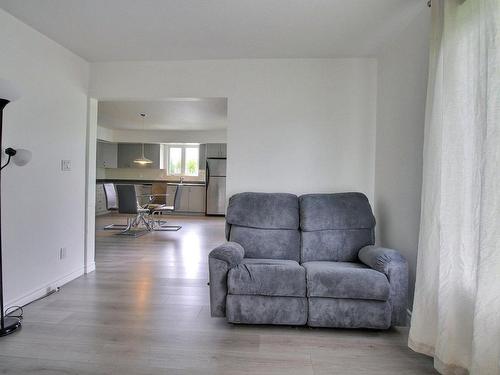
x=293, y=125
x=104, y=134
x=43, y=209
x=301, y=125
x=402, y=82
x=162, y=136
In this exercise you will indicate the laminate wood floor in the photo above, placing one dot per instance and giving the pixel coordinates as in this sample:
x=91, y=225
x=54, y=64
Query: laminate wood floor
x=145, y=311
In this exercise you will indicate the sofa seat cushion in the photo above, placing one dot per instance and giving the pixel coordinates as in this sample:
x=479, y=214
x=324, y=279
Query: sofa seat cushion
x=345, y=280
x=267, y=277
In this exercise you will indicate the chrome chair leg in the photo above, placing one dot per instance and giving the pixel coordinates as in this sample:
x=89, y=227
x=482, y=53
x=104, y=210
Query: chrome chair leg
x=132, y=223
x=161, y=225
x=115, y=227
x=145, y=222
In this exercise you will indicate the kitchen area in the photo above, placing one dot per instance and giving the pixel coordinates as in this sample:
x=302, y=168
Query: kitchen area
x=203, y=185
x=160, y=145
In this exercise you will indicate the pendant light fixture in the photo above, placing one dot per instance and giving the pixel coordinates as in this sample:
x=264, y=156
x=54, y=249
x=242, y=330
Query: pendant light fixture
x=143, y=160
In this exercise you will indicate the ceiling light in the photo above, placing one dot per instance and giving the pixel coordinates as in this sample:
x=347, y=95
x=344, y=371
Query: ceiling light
x=143, y=160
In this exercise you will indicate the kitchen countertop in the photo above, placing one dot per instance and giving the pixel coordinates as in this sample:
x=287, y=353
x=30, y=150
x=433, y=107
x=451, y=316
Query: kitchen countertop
x=138, y=182
x=189, y=183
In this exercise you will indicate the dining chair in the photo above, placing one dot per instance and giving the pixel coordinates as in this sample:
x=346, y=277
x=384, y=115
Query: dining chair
x=160, y=225
x=112, y=205
x=136, y=215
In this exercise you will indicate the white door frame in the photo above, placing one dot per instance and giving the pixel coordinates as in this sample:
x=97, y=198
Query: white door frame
x=90, y=179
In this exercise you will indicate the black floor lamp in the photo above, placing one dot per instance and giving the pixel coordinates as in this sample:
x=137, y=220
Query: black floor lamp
x=8, y=324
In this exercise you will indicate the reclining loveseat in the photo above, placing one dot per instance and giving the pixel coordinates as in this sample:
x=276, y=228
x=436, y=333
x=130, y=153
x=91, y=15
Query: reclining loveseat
x=307, y=260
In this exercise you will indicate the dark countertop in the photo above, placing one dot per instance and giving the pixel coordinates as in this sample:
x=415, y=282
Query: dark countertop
x=140, y=182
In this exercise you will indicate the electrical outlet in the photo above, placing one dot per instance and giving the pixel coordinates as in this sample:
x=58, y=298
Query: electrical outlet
x=62, y=253
x=65, y=165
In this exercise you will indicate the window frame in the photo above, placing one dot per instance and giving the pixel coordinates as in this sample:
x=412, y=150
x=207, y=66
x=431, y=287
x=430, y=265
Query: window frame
x=183, y=148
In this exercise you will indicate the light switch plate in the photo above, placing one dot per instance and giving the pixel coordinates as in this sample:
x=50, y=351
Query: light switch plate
x=65, y=165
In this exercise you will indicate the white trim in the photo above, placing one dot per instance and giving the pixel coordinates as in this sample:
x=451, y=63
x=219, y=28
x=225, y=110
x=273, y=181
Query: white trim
x=48, y=287
x=90, y=268
x=90, y=178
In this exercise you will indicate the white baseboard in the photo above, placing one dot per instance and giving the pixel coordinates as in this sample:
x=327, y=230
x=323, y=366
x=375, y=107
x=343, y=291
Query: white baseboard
x=90, y=267
x=45, y=289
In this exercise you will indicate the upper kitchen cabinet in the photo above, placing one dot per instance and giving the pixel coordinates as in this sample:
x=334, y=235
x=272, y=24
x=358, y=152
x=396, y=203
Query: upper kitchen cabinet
x=223, y=150
x=202, y=156
x=128, y=152
x=216, y=150
x=107, y=155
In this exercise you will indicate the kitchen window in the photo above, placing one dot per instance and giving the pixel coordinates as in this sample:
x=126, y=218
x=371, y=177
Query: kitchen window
x=182, y=160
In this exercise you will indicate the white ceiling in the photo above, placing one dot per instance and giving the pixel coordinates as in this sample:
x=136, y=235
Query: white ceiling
x=112, y=30
x=169, y=114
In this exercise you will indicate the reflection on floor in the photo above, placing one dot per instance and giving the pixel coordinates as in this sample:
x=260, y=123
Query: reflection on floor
x=145, y=311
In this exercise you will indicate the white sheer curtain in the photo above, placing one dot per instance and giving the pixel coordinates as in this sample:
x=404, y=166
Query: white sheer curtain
x=456, y=311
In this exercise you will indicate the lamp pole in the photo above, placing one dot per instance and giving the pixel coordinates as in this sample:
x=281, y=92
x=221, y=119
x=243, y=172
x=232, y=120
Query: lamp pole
x=3, y=103
x=7, y=324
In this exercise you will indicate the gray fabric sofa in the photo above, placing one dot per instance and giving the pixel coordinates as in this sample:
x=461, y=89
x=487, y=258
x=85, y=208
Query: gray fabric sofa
x=306, y=260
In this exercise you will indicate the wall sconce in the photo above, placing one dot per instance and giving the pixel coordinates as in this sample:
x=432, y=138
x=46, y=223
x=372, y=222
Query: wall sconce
x=20, y=156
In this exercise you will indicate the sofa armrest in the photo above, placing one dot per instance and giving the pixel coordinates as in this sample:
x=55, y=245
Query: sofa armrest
x=220, y=261
x=391, y=263
x=230, y=252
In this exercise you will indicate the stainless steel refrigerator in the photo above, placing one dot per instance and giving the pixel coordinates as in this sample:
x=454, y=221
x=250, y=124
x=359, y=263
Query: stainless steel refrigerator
x=216, y=186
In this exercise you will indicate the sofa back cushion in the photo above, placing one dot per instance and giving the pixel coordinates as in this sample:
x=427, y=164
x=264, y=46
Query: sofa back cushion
x=265, y=224
x=335, y=226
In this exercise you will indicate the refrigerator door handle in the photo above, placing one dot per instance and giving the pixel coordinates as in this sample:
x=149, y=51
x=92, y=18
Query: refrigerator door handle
x=207, y=178
x=208, y=174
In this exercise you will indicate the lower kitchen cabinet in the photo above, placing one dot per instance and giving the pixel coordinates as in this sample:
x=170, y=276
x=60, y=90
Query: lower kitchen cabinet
x=171, y=194
x=100, y=200
x=192, y=198
x=197, y=198
x=184, y=201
